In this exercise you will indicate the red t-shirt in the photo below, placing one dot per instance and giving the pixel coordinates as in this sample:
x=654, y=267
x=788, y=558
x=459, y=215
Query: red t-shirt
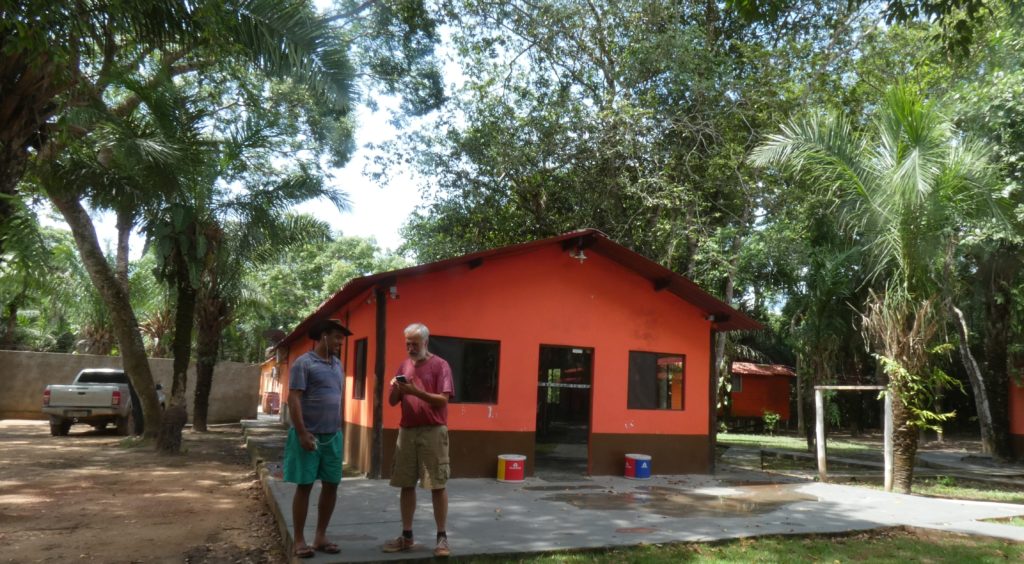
x=434, y=376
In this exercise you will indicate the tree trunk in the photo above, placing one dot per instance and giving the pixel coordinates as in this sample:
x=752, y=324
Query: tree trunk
x=1000, y=279
x=206, y=360
x=212, y=316
x=978, y=385
x=126, y=326
x=904, y=445
x=29, y=88
x=800, y=367
x=184, y=318
x=816, y=370
x=10, y=325
x=124, y=232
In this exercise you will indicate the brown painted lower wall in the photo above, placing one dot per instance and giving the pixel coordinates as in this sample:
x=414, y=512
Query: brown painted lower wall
x=670, y=454
x=1017, y=446
x=474, y=454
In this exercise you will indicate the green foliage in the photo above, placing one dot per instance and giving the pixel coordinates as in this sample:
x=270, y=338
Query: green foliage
x=279, y=293
x=919, y=391
x=833, y=415
x=771, y=421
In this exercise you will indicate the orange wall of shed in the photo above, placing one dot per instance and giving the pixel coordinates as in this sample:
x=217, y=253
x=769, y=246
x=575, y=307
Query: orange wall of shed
x=546, y=297
x=761, y=393
x=1016, y=408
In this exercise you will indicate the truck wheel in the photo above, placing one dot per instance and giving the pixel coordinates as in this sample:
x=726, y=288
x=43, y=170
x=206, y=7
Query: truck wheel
x=126, y=424
x=59, y=427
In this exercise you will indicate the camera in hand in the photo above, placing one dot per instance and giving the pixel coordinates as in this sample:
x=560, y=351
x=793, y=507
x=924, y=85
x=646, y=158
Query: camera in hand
x=401, y=379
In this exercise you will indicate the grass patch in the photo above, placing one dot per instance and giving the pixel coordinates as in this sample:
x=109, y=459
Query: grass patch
x=1015, y=521
x=893, y=545
x=949, y=487
x=783, y=442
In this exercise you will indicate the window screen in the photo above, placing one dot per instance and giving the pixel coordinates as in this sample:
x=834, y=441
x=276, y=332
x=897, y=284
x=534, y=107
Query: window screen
x=474, y=364
x=656, y=380
x=359, y=371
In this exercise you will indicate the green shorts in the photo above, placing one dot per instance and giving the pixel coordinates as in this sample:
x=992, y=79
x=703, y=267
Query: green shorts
x=421, y=455
x=303, y=466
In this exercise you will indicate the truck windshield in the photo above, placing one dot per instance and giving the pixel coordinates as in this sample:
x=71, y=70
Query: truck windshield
x=102, y=378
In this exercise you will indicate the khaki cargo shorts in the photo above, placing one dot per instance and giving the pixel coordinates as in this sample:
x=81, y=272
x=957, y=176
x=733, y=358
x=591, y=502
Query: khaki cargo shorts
x=421, y=454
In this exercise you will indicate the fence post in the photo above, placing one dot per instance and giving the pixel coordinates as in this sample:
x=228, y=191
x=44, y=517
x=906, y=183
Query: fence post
x=819, y=431
x=888, y=441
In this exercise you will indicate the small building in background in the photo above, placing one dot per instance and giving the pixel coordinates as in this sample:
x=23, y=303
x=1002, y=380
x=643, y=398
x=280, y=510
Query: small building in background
x=572, y=350
x=757, y=388
x=270, y=387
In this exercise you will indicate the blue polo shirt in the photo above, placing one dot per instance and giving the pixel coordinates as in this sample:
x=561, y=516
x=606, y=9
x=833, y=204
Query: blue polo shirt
x=321, y=382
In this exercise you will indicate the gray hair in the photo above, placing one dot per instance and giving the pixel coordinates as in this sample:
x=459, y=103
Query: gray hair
x=418, y=329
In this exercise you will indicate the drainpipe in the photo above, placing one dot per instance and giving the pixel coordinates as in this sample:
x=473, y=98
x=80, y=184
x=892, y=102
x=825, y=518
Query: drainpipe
x=377, y=442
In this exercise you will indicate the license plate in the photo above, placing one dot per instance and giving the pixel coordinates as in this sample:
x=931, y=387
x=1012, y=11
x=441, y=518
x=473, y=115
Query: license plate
x=77, y=413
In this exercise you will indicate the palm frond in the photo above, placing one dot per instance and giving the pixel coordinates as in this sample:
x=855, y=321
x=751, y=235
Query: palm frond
x=288, y=39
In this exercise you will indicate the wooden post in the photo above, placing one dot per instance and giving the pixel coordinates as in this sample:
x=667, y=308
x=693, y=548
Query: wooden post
x=888, y=442
x=819, y=430
x=377, y=440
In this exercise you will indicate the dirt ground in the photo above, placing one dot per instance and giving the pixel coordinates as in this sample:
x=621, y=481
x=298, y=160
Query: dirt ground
x=93, y=496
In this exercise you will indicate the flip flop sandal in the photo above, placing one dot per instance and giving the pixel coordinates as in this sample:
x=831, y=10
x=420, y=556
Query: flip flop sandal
x=329, y=548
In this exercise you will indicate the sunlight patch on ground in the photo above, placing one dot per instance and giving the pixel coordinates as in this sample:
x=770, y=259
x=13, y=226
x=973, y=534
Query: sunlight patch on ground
x=19, y=499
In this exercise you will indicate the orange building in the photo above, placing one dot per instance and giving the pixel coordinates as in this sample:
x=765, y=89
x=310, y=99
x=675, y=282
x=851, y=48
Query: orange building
x=573, y=349
x=757, y=388
x=1017, y=417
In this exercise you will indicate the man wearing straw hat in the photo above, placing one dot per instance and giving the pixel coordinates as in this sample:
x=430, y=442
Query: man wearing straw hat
x=313, y=450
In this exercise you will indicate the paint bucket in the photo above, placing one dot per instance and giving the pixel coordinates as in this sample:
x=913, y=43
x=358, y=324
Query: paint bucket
x=511, y=467
x=638, y=466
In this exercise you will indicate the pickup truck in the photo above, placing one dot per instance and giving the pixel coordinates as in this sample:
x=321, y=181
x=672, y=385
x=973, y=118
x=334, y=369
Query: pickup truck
x=97, y=396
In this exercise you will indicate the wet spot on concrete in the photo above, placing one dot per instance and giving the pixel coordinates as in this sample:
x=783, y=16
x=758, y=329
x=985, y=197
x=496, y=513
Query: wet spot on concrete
x=675, y=502
x=561, y=488
x=637, y=530
x=752, y=482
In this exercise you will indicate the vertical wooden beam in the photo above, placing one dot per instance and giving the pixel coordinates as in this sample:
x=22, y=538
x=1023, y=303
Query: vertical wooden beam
x=713, y=403
x=377, y=446
x=819, y=430
x=888, y=442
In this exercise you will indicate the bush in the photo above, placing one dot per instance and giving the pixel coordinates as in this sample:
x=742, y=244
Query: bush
x=771, y=421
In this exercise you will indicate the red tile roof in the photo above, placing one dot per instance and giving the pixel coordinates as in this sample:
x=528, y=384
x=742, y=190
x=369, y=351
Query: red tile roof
x=749, y=368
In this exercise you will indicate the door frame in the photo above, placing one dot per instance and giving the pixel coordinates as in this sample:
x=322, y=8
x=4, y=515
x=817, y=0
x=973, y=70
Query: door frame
x=590, y=395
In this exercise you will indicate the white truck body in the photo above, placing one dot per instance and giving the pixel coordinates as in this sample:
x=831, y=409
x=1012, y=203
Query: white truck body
x=98, y=396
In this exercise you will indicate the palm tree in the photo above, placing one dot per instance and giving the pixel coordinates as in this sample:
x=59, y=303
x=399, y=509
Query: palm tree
x=130, y=49
x=245, y=244
x=904, y=189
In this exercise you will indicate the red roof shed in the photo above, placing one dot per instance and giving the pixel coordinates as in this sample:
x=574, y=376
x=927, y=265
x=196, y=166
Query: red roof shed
x=757, y=388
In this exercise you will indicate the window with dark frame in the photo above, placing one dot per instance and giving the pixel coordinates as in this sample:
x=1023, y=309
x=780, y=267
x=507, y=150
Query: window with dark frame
x=359, y=370
x=474, y=364
x=737, y=383
x=656, y=381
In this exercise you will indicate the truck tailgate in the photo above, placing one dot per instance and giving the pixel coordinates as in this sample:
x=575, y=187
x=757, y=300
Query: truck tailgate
x=92, y=395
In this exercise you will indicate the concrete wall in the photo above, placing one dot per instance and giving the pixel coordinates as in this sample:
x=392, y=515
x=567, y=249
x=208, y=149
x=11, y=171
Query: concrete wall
x=24, y=376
